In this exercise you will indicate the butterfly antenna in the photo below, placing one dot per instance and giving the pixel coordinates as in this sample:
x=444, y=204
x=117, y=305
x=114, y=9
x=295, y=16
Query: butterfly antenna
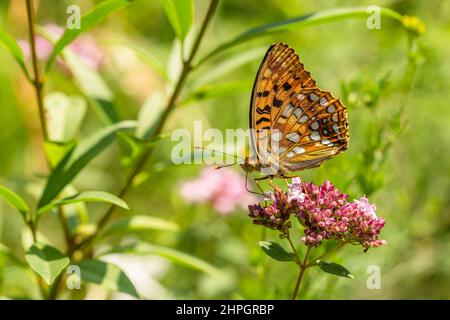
x=228, y=154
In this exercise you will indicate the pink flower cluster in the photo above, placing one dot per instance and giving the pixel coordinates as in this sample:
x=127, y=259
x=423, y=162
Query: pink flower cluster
x=224, y=189
x=324, y=212
x=276, y=215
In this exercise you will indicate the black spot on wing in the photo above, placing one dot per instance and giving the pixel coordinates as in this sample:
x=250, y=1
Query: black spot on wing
x=286, y=86
x=266, y=110
x=262, y=119
x=277, y=103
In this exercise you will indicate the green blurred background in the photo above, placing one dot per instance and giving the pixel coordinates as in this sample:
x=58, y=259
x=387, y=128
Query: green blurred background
x=408, y=179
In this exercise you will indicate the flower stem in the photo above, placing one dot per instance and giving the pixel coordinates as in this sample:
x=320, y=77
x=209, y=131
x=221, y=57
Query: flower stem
x=187, y=68
x=298, y=282
x=303, y=266
x=294, y=250
x=38, y=83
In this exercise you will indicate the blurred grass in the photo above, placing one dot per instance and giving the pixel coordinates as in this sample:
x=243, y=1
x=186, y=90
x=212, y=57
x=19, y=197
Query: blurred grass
x=414, y=187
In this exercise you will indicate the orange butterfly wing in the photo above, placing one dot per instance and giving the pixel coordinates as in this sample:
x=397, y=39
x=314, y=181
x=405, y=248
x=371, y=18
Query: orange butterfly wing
x=313, y=124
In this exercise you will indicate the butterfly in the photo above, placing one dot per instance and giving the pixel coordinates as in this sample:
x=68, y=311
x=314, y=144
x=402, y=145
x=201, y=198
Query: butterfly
x=295, y=125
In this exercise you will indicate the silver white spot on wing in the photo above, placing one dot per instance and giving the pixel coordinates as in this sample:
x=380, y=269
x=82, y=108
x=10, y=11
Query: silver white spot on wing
x=293, y=137
x=300, y=97
x=313, y=97
x=290, y=154
x=315, y=136
x=323, y=102
x=298, y=150
x=303, y=119
x=336, y=128
x=331, y=108
x=334, y=117
x=298, y=112
x=287, y=112
x=315, y=125
x=276, y=136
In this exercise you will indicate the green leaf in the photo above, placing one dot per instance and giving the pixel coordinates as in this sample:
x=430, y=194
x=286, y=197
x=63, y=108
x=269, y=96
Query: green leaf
x=76, y=160
x=143, y=54
x=275, y=251
x=15, y=201
x=6, y=254
x=92, y=85
x=180, y=14
x=65, y=116
x=89, y=82
x=150, y=115
x=46, y=261
x=336, y=269
x=106, y=275
x=177, y=257
x=229, y=65
x=88, y=21
x=216, y=91
x=131, y=148
x=174, y=64
x=11, y=45
x=308, y=20
x=139, y=223
x=86, y=196
x=56, y=151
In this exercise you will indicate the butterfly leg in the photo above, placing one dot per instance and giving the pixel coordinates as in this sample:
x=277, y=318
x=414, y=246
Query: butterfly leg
x=271, y=181
x=257, y=180
x=260, y=188
x=305, y=191
x=286, y=177
x=251, y=191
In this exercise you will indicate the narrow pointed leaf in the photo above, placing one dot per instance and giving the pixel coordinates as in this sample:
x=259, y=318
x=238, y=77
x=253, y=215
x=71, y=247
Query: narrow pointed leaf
x=86, y=196
x=107, y=275
x=76, y=160
x=149, y=116
x=15, y=201
x=177, y=257
x=88, y=21
x=336, y=269
x=11, y=45
x=308, y=20
x=180, y=14
x=216, y=91
x=275, y=251
x=139, y=223
x=93, y=87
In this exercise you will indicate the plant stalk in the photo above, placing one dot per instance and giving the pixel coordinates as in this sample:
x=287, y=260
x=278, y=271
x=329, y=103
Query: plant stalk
x=38, y=82
x=171, y=104
x=303, y=267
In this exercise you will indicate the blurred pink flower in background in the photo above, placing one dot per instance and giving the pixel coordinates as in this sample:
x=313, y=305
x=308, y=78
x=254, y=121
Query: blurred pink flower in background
x=224, y=189
x=84, y=46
